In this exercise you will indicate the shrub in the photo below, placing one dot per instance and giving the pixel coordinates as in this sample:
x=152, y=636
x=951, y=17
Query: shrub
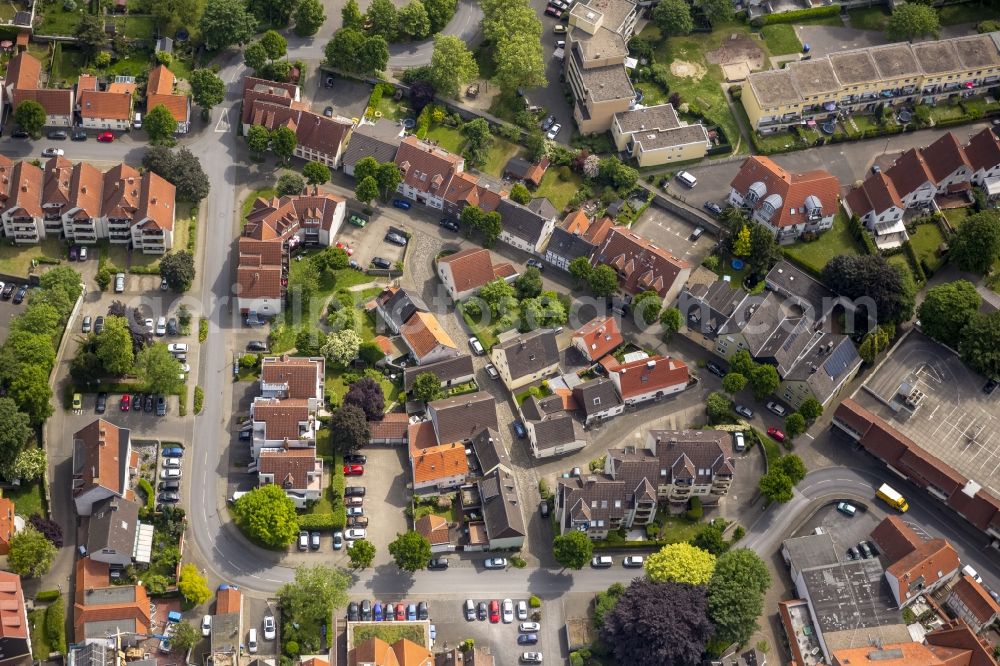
x=695, y=512
x=199, y=399
x=50, y=529
x=55, y=625
x=47, y=595
x=321, y=522
x=796, y=16
x=738, y=533
x=147, y=490
x=988, y=26
x=543, y=489
x=202, y=329
x=565, y=173
x=517, y=562
x=533, y=601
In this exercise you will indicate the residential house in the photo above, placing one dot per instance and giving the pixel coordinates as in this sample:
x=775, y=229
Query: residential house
x=958, y=640
x=671, y=467
x=376, y=652
x=461, y=417
x=786, y=204
x=160, y=91
x=491, y=454
x=21, y=210
x=15, y=632
x=109, y=109
x=650, y=378
x=434, y=528
x=466, y=189
x=983, y=154
x=598, y=338
x=296, y=470
x=227, y=624
x=275, y=226
x=641, y=265
x=111, y=531
x=379, y=140
x=526, y=358
x=971, y=603
x=396, y=305
x=596, y=50
x=552, y=430
x=598, y=399
x=916, y=566
x=653, y=135
x=502, y=517
x=465, y=271
x=450, y=372
x=271, y=92
x=103, y=463
x=427, y=170
x=576, y=236
x=23, y=83
x=153, y=223
x=100, y=608
x=427, y=341
x=391, y=430
x=519, y=168
x=317, y=138
x=278, y=424
x=10, y=524
x=880, y=209
x=295, y=377
x=438, y=468
x=527, y=227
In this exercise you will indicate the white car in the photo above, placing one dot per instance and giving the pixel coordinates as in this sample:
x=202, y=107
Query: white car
x=507, y=607
x=356, y=533
x=354, y=501
x=167, y=474
x=171, y=463
x=150, y=327
x=740, y=444
x=269, y=632
x=53, y=152
x=553, y=132
x=355, y=511
x=161, y=326
x=177, y=348
x=522, y=610
x=477, y=346
x=529, y=627
x=206, y=625
x=531, y=657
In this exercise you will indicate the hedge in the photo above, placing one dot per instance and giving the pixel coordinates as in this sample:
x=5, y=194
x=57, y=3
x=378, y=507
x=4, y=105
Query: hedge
x=911, y=255
x=55, y=625
x=47, y=595
x=796, y=16
x=861, y=235
x=322, y=522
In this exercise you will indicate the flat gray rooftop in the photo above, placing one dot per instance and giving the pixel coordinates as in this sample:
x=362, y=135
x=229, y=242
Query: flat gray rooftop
x=850, y=596
x=813, y=77
x=954, y=421
x=679, y=136
x=774, y=87
x=659, y=117
x=854, y=67
x=936, y=57
x=614, y=11
x=812, y=550
x=607, y=83
x=895, y=60
x=978, y=51
x=116, y=594
x=601, y=45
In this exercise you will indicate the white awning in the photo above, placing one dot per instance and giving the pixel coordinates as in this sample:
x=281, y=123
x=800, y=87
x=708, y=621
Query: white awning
x=143, y=550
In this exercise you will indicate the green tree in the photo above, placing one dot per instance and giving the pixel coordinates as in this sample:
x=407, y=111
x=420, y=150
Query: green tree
x=572, y=550
x=351, y=16
x=764, y=251
x=519, y=62
x=193, y=586
x=670, y=320
x=413, y=20
x=349, y=429
x=268, y=516
x=947, y=308
x=207, y=89
x=366, y=189
x=158, y=370
x=646, y=308
x=225, y=23
x=741, y=246
x=733, y=383
x=362, y=553
x=976, y=243
x=711, y=539
x=31, y=554
x=274, y=44
x=792, y=467
x=411, y=551
x=290, y=184
x=742, y=363
x=673, y=17
x=15, y=430
x=717, y=407
x=272, y=12
x=718, y=11
x=114, y=347
x=617, y=174
x=341, y=347
x=365, y=167
x=535, y=143
x=185, y=637
x=255, y=56
x=385, y=19
x=29, y=465
x=309, y=600
x=603, y=281
x=426, y=387
x=520, y=194
x=440, y=12
x=316, y=173
x=909, y=21
x=529, y=283
x=680, y=563
x=90, y=36
x=580, y=269
x=374, y=55
x=309, y=17
x=178, y=269
x=283, y=142
x=30, y=116
x=736, y=595
x=452, y=64
x=795, y=425
x=810, y=409
x=776, y=486
x=874, y=343
x=160, y=125
x=478, y=142
x=764, y=380
x=496, y=294
x=30, y=390
x=979, y=345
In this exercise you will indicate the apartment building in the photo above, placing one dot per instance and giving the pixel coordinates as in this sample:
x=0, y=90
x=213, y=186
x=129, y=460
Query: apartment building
x=653, y=135
x=641, y=265
x=859, y=81
x=596, y=49
x=297, y=471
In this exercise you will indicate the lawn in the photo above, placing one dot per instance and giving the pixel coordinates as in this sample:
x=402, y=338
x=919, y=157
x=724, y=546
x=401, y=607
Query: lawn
x=7, y=11
x=652, y=93
x=781, y=39
x=901, y=261
x=40, y=647
x=16, y=260
x=390, y=633
x=27, y=499
x=484, y=333
x=421, y=510
x=925, y=242
x=393, y=110
x=336, y=387
x=677, y=529
x=831, y=243
x=945, y=112
x=136, y=64
x=871, y=18
x=118, y=255
x=557, y=190
x=181, y=68
x=969, y=12
x=448, y=138
x=500, y=153
x=66, y=64
x=267, y=193
x=138, y=27
x=58, y=21
x=956, y=215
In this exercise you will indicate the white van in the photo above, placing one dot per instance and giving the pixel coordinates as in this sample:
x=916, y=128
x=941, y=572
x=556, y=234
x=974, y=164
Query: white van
x=972, y=573
x=686, y=178
x=137, y=122
x=252, y=641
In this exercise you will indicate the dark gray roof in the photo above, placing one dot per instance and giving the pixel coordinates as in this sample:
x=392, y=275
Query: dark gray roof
x=825, y=365
x=446, y=370
x=518, y=167
x=501, y=510
x=530, y=352
x=596, y=396
x=113, y=525
x=225, y=633
x=380, y=141
x=400, y=305
x=542, y=206
x=553, y=425
x=812, y=550
x=569, y=246
x=490, y=451
x=707, y=308
x=521, y=221
x=789, y=339
x=462, y=417
x=101, y=629
x=593, y=498
x=707, y=452
x=811, y=296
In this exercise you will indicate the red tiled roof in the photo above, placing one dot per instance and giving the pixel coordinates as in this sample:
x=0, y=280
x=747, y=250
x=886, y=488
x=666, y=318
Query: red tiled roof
x=640, y=264
x=55, y=101
x=157, y=198
x=576, y=222
x=909, y=172
x=23, y=71
x=439, y=462
x=983, y=150
x=121, y=192
x=957, y=635
x=12, y=612
x=101, y=464
x=944, y=156
x=876, y=194
x=281, y=417
x=470, y=269
x=94, y=103
x=25, y=193
x=976, y=598
x=291, y=468
x=794, y=188
x=228, y=601
x=6, y=524
x=393, y=425
x=421, y=435
x=599, y=336
x=270, y=91
x=895, y=538
x=504, y=270
x=91, y=576
x=434, y=528
x=423, y=334
x=426, y=167
x=638, y=378
x=301, y=375
x=923, y=567
x=259, y=281
x=319, y=133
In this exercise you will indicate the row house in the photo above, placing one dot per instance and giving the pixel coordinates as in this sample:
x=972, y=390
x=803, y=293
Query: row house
x=101, y=608
x=598, y=400
x=23, y=83
x=160, y=92
x=427, y=171
x=107, y=109
x=15, y=632
x=112, y=530
x=527, y=227
x=670, y=468
x=808, y=92
x=438, y=468
x=395, y=306
x=576, y=236
x=464, y=272
x=449, y=372
x=379, y=140
x=920, y=175
x=641, y=265
x=466, y=189
x=786, y=204
x=972, y=603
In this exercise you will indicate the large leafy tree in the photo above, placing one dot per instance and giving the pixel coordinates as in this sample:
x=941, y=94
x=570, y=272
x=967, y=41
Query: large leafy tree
x=366, y=189
x=413, y=20
x=353, y=51
x=342, y=347
x=181, y=168
x=207, y=89
x=29, y=465
x=309, y=17
x=980, y=344
x=947, y=308
x=572, y=550
x=351, y=16
x=31, y=554
x=366, y=394
x=275, y=46
x=174, y=13
x=316, y=173
x=283, y=142
x=30, y=116
x=225, y=23
x=673, y=17
x=15, y=430
x=653, y=624
x=290, y=184
x=30, y=390
x=733, y=383
x=775, y=486
x=193, y=586
x=529, y=283
x=911, y=20
x=426, y=387
x=519, y=62
x=255, y=56
x=90, y=36
x=388, y=177
x=736, y=595
x=349, y=429
x=384, y=18
x=440, y=12
x=178, y=269
x=158, y=370
x=872, y=276
x=273, y=12
x=268, y=516
x=452, y=64
x=680, y=563
x=411, y=551
x=361, y=553
x=603, y=280
x=976, y=244
x=307, y=603
x=185, y=636
x=114, y=347
x=764, y=380
x=717, y=407
x=258, y=139
x=717, y=11
x=670, y=320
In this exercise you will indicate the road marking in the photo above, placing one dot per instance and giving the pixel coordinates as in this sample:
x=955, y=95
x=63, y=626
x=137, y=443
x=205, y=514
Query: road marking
x=223, y=125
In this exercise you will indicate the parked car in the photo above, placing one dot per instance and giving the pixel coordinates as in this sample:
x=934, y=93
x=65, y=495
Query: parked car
x=395, y=239
x=494, y=611
x=172, y=326
x=553, y=132
x=314, y=540
x=257, y=346
x=355, y=511
x=83, y=253
x=602, y=562
x=469, y=609
x=390, y=612
x=553, y=11
x=527, y=639
x=743, y=411
x=712, y=207
x=865, y=550
x=125, y=402
x=19, y=134
x=353, y=612
x=449, y=224
x=776, y=434
x=438, y=563
x=168, y=498
x=633, y=562
x=874, y=551
x=161, y=405
x=401, y=204
x=77, y=401
x=147, y=404
x=549, y=121
x=338, y=540
x=400, y=612
x=22, y=291
x=481, y=611
x=171, y=463
x=164, y=285
x=102, y=402
x=356, y=459
x=543, y=508
x=8, y=291
x=559, y=29
x=377, y=612
x=99, y=324
x=423, y=612
x=161, y=326
x=167, y=474
x=176, y=348
x=777, y=408
x=173, y=484
x=328, y=112
x=269, y=628
x=366, y=610
x=495, y=563
x=492, y=371
x=354, y=501
x=990, y=386
x=57, y=135
x=508, y=611
x=715, y=369
x=87, y=324
x=529, y=627
x=355, y=533
x=119, y=283
x=357, y=521
x=477, y=346
x=354, y=491
x=522, y=610
x=303, y=542
x=520, y=430
x=846, y=508
x=380, y=262
x=80, y=135
x=411, y=612
x=353, y=470
x=74, y=252
x=106, y=137
x=535, y=263
x=206, y=625
x=739, y=443
x=531, y=657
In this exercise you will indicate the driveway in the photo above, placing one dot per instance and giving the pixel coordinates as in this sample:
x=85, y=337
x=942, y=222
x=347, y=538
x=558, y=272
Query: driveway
x=826, y=39
x=386, y=481
x=551, y=97
x=673, y=234
x=369, y=242
x=348, y=97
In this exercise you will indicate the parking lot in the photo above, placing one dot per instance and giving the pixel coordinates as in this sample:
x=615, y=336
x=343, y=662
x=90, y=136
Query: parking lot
x=673, y=234
x=8, y=310
x=347, y=98
x=846, y=531
x=369, y=242
x=386, y=481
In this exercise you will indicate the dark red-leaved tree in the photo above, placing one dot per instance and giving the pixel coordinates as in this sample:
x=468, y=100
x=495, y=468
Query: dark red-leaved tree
x=366, y=393
x=49, y=528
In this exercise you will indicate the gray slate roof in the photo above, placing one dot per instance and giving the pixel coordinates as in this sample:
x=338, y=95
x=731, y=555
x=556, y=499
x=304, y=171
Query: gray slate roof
x=490, y=451
x=462, y=417
x=542, y=206
x=501, y=510
x=400, y=306
x=380, y=141
x=113, y=525
x=521, y=221
x=446, y=370
x=824, y=365
x=597, y=395
x=569, y=246
x=530, y=352
x=553, y=425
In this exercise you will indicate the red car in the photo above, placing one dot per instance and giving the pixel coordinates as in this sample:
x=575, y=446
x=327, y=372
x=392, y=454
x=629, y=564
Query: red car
x=553, y=11
x=353, y=470
x=106, y=137
x=401, y=612
x=125, y=403
x=346, y=248
x=494, y=611
x=776, y=434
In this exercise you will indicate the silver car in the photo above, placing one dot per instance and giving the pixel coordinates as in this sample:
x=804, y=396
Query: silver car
x=553, y=132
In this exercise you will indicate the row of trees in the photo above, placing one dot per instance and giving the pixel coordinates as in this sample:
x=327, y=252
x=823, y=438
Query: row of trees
x=418, y=19
x=674, y=17
x=281, y=141
x=515, y=34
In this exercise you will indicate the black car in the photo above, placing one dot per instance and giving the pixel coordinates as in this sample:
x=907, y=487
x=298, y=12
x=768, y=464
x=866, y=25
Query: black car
x=355, y=459
x=256, y=346
x=168, y=498
x=171, y=326
x=481, y=610
x=20, y=134
x=58, y=135
x=78, y=135
x=137, y=402
x=366, y=611
x=8, y=291
x=990, y=386
x=379, y=262
x=352, y=612
x=450, y=225
x=354, y=491
x=527, y=639
x=438, y=563
x=172, y=485
x=547, y=124
x=148, y=405
x=161, y=405
x=715, y=369
x=22, y=291
x=102, y=402
x=99, y=325
x=422, y=611
x=852, y=554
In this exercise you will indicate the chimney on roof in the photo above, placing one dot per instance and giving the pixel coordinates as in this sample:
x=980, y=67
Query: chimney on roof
x=24, y=186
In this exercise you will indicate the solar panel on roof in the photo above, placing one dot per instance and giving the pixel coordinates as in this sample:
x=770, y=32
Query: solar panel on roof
x=840, y=359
